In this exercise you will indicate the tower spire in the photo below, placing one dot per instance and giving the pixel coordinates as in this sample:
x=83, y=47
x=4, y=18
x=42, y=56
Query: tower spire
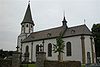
x=64, y=22
x=28, y=16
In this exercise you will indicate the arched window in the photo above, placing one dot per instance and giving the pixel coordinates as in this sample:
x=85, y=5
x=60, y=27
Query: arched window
x=88, y=57
x=31, y=26
x=68, y=49
x=22, y=25
x=26, y=54
x=49, y=49
x=27, y=51
x=37, y=49
x=27, y=25
x=27, y=48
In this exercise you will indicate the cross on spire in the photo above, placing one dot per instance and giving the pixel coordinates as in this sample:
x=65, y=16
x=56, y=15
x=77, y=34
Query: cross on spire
x=84, y=21
x=64, y=13
x=29, y=2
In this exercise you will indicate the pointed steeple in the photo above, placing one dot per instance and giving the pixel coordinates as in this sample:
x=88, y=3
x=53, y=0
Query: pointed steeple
x=64, y=22
x=28, y=16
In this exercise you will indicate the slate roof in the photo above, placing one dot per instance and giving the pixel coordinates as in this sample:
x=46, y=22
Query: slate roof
x=28, y=16
x=54, y=32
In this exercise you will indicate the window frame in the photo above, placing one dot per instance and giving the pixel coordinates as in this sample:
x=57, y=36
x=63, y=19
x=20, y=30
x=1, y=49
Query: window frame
x=68, y=49
x=49, y=50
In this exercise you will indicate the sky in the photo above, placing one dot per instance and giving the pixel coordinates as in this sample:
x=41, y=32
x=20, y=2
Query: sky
x=46, y=14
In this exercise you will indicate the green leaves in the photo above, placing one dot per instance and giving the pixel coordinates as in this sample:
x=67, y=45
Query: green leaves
x=96, y=34
x=59, y=46
x=96, y=30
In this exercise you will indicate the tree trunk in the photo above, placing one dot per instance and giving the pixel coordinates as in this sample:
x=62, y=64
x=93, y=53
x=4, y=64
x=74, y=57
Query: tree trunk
x=60, y=57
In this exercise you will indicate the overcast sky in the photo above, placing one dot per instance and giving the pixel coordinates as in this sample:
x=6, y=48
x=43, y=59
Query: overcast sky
x=46, y=14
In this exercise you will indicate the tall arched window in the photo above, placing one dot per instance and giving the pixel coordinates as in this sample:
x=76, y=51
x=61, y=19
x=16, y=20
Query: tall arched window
x=26, y=54
x=27, y=48
x=27, y=25
x=68, y=49
x=88, y=57
x=49, y=49
x=37, y=49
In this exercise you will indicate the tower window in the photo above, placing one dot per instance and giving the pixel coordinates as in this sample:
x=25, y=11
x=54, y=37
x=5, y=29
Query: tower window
x=27, y=25
x=31, y=26
x=68, y=49
x=49, y=49
x=22, y=25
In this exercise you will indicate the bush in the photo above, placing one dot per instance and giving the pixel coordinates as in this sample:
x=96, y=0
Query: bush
x=28, y=65
x=83, y=65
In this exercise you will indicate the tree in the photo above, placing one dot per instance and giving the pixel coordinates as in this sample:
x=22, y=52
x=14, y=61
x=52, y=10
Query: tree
x=96, y=35
x=59, y=46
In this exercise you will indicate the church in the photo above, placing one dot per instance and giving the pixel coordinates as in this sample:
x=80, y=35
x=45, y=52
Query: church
x=78, y=41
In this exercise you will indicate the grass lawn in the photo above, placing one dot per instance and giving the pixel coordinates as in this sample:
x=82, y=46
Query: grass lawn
x=29, y=65
x=83, y=65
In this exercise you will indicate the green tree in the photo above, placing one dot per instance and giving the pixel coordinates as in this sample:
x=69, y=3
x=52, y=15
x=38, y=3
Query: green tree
x=96, y=34
x=59, y=46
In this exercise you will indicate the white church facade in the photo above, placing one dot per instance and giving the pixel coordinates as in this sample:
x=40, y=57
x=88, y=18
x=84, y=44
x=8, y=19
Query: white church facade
x=78, y=41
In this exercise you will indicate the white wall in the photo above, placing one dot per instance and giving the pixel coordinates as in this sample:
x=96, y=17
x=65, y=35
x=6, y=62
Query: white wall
x=87, y=47
x=94, y=50
x=24, y=48
x=75, y=45
x=20, y=37
x=76, y=49
x=54, y=55
x=34, y=49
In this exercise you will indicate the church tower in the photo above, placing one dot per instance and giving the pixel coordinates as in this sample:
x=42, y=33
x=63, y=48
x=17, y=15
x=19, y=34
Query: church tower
x=26, y=27
x=27, y=23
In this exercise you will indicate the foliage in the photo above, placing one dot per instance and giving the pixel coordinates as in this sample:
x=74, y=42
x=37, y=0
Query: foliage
x=83, y=65
x=96, y=34
x=28, y=65
x=4, y=54
x=96, y=30
x=59, y=47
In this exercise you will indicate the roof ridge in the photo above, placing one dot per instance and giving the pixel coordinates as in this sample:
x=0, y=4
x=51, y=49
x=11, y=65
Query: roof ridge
x=78, y=26
x=58, y=27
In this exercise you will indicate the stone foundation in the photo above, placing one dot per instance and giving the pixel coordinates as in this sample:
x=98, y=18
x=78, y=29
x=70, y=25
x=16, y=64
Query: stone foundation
x=62, y=64
x=16, y=59
x=40, y=58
